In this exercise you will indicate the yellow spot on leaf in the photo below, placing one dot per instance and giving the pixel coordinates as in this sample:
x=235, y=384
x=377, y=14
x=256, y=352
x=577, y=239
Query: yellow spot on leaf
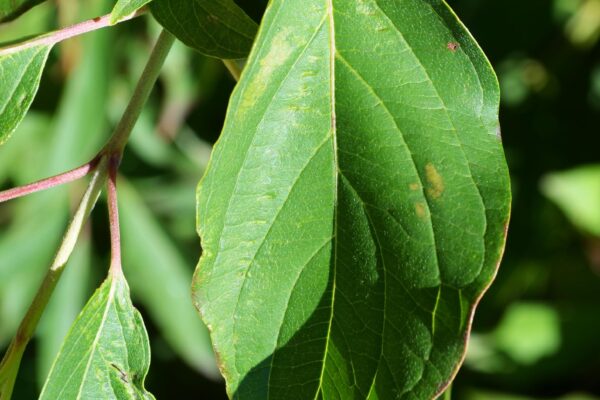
x=435, y=187
x=279, y=52
x=414, y=186
x=420, y=210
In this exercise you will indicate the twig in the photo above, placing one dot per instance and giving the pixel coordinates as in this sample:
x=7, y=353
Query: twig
x=48, y=183
x=52, y=38
x=107, y=165
x=12, y=358
x=119, y=139
x=113, y=216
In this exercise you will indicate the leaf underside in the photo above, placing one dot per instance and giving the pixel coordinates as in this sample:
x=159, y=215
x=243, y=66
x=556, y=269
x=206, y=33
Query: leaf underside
x=20, y=74
x=124, y=8
x=216, y=28
x=106, y=354
x=356, y=204
x=11, y=9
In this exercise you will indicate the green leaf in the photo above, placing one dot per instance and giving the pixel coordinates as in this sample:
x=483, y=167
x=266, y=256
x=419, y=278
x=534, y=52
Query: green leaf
x=355, y=207
x=216, y=28
x=20, y=73
x=11, y=9
x=577, y=193
x=65, y=305
x=106, y=354
x=124, y=8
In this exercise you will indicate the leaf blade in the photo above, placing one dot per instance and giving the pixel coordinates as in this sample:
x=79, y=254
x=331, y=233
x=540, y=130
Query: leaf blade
x=218, y=28
x=355, y=207
x=23, y=69
x=10, y=10
x=123, y=8
x=106, y=352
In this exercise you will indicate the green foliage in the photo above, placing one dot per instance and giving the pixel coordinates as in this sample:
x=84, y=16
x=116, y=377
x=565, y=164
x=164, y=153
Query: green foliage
x=353, y=213
x=106, y=353
x=20, y=73
x=356, y=204
x=577, y=193
x=217, y=28
x=10, y=9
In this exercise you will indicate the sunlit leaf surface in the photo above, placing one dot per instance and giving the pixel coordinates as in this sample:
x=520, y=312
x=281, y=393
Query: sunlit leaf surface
x=20, y=74
x=106, y=354
x=356, y=204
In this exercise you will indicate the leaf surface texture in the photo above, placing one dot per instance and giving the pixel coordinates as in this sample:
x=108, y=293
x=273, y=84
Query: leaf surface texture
x=217, y=28
x=355, y=207
x=11, y=9
x=20, y=74
x=106, y=354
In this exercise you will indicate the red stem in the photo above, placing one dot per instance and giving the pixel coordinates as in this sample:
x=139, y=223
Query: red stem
x=48, y=183
x=113, y=213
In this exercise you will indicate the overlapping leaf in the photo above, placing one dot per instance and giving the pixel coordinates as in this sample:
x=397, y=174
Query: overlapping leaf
x=355, y=207
x=10, y=9
x=217, y=28
x=106, y=354
x=20, y=73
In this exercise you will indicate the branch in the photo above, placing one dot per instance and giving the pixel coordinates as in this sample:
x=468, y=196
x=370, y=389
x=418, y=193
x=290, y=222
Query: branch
x=12, y=359
x=119, y=139
x=107, y=164
x=52, y=38
x=48, y=183
x=113, y=216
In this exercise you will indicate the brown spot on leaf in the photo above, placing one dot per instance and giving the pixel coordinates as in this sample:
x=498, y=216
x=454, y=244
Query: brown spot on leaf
x=414, y=186
x=452, y=46
x=435, y=187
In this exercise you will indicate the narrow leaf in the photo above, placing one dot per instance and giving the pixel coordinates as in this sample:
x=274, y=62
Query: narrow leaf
x=106, y=354
x=123, y=8
x=20, y=74
x=11, y=9
x=355, y=207
x=216, y=28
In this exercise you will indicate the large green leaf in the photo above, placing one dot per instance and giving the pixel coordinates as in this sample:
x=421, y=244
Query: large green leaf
x=10, y=9
x=356, y=205
x=20, y=73
x=106, y=354
x=217, y=28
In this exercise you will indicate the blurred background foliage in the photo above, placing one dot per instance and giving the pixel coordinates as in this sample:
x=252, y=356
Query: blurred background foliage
x=537, y=332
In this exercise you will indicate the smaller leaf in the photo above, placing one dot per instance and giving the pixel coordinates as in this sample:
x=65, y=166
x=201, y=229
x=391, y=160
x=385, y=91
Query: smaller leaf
x=124, y=8
x=11, y=9
x=20, y=73
x=106, y=354
x=216, y=28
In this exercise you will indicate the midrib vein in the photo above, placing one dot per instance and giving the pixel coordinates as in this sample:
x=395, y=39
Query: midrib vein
x=333, y=128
